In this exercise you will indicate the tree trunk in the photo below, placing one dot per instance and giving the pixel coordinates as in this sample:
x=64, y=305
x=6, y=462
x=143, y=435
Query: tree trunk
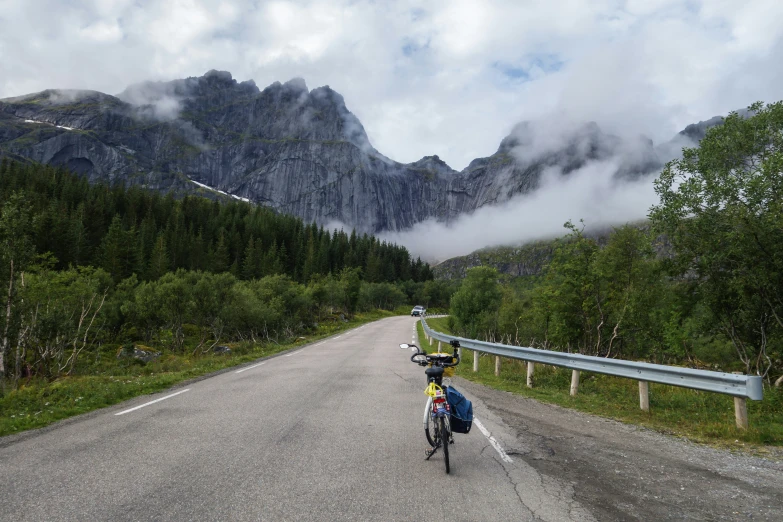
x=4, y=344
x=19, y=341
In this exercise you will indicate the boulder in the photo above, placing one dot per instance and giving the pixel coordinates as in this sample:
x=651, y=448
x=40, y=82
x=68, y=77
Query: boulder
x=138, y=352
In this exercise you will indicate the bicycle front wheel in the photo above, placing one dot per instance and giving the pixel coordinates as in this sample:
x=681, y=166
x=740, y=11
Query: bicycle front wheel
x=445, y=436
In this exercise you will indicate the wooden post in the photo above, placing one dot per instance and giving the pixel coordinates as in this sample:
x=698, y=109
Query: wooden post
x=497, y=365
x=574, y=382
x=531, y=366
x=475, y=361
x=741, y=412
x=439, y=347
x=644, y=395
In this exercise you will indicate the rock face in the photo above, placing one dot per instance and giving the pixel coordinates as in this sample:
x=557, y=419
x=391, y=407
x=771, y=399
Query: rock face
x=521, y=261
x=301, y=152
x=531, y=259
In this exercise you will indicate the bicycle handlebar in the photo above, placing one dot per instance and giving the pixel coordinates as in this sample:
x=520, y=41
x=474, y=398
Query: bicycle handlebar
x=435, y=360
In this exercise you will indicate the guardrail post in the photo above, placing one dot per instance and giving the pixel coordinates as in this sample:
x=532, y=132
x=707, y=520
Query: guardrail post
x=497, y=366
x=439, y=347
x=644, y=395
x=741, y=412
x=475, y=361
x=531, y=366
x=574, y=382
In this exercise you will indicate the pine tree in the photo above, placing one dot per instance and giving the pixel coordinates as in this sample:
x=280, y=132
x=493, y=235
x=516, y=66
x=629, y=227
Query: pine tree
x=322, y=256
x=308, y=267
x=373, y=271
x=197, y=252
x=159, y=259
x=148, y=234
x=220, y=257
x=112, y=249
x=131, y=254
x=259, y=257
x=250, y=263
x=284, y=260
x=77, y=237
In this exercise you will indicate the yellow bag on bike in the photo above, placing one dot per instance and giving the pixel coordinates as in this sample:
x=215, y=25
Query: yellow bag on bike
x=448, y=371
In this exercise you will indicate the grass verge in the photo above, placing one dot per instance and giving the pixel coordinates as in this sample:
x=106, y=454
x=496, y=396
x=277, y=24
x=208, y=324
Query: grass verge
x=692, y=414
x=39, y=403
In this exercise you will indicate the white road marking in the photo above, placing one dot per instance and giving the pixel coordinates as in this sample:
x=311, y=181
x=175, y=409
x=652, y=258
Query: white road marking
x=495, y=443
x=152, y=402
x=249, y=367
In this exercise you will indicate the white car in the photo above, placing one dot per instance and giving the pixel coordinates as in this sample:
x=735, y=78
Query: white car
x=418, y=311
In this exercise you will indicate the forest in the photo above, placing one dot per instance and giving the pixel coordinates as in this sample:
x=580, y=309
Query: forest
x=87, y=267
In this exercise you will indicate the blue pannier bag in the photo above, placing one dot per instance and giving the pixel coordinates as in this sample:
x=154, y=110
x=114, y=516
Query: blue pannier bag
x=461, y=411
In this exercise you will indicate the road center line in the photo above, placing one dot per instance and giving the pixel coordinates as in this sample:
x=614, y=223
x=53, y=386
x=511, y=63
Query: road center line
x=495, y=443
x=249, y=367
x=151, y=402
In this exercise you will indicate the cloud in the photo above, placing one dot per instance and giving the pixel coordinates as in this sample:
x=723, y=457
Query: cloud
x=586, y=174
x=157, y=100
x=102, y=32
x=67, y=96
x=445, y=77
x=591, y=193
x=437, y=77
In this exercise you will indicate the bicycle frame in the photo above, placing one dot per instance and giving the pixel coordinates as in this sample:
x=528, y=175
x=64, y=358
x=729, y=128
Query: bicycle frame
x=437, y=406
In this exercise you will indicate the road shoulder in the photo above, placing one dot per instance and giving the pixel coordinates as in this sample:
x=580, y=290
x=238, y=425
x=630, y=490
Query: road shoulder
x=620, y=471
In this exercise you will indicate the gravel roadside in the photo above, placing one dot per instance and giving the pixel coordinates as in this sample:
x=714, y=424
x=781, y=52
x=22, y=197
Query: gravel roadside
x=625, y=472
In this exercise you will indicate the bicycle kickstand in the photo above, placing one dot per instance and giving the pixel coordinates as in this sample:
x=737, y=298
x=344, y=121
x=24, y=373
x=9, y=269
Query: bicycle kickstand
x=431, y=452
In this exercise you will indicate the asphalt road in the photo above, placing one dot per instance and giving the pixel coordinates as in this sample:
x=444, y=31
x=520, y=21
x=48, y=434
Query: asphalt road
x=333, y=431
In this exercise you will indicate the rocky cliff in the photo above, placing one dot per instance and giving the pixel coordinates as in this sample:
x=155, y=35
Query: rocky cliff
x=531, y=259
x=299, y=151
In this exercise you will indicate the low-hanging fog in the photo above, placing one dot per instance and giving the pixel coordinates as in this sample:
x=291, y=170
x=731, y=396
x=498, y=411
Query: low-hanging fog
x=592, y=193
x=613, y=185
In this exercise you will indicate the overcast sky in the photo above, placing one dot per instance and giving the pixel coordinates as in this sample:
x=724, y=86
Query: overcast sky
x=427, y=77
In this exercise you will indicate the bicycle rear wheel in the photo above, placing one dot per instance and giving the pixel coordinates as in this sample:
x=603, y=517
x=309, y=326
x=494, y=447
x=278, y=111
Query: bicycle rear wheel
x=444, y=440
x=431, y=428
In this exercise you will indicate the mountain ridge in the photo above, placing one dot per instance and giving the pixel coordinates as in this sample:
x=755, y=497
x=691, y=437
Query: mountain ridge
x=296, y=150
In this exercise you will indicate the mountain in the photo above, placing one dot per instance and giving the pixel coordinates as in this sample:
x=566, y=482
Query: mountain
x=515, y=261
x=531, y=259
x=296, y=150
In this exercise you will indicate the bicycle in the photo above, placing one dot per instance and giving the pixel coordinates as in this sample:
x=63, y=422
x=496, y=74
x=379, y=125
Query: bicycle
x=437, y=412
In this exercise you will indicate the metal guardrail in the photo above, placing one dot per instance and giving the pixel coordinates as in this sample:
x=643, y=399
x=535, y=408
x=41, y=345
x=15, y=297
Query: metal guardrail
x=741, y=386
